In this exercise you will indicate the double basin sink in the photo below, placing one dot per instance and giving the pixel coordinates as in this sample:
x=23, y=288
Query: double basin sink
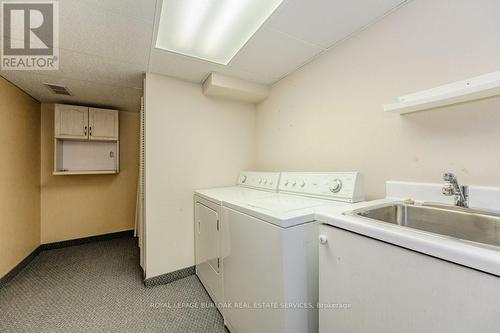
x=462, y=223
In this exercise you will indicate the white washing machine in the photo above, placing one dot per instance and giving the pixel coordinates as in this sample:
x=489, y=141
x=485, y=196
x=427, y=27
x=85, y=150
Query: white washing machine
x=207, y=213
x=270, y=252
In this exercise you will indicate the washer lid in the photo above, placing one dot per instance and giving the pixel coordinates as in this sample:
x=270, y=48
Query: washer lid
x=281, y=209
x=237, y=193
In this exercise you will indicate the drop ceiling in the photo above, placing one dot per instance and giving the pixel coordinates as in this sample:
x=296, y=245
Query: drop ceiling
x=107, y=45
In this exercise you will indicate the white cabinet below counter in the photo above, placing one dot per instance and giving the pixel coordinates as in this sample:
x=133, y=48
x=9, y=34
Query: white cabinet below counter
x=367, y=286
x=86, y=140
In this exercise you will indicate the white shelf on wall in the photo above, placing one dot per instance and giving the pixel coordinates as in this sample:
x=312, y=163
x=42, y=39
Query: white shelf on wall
x=479, y=87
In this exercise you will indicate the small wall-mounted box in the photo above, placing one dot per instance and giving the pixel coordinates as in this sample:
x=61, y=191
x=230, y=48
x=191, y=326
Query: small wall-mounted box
x=86, y=140
x=223, y=86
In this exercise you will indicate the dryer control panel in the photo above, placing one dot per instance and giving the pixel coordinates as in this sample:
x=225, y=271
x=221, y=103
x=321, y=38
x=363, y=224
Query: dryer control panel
x=339, y=186
x=259, y=180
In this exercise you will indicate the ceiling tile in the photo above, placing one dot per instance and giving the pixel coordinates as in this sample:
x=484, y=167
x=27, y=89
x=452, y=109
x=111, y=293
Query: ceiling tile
x=103, y=70
x=177, y=65
x=193, y=69
x=272, y=55
x=142, y=9
x=91, y=30
x=325, y=22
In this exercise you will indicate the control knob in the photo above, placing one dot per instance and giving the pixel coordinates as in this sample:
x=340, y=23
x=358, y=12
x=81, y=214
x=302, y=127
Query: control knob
x=336, y=186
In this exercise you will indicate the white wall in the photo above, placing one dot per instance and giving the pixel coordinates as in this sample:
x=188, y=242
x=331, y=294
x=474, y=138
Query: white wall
x=192, y=142
x=328, y=115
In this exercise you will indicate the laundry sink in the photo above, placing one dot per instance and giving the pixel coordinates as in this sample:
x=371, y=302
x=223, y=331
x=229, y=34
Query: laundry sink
x=462, y=223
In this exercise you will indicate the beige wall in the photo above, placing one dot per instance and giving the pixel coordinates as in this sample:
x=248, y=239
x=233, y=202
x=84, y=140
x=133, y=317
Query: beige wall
x=328, y=115
x=81, y=206
x=192, y=142
x=19, y=175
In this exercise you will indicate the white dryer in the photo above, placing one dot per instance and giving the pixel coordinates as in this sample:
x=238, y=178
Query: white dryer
x=207, y=212
x=270, y=252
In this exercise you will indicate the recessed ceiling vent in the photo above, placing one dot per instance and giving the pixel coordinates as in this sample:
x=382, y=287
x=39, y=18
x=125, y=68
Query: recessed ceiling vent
x=58, y=89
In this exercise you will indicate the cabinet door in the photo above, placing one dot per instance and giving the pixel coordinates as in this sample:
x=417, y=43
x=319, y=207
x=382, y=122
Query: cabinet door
x=208, y=263
x=379, y=287
x=71, y=122
x=207, y=233
x=103, y=124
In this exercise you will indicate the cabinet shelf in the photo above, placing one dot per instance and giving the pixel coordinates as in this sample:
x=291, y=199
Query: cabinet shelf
x=84, y=172
x=472, y=89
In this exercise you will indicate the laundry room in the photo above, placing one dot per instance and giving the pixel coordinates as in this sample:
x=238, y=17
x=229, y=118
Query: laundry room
x=250, y=166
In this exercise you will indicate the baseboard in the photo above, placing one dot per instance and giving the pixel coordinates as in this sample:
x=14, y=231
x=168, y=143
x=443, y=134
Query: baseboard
x=19, y=267
x=169, y=277
x=57, y=245
x=85, y=240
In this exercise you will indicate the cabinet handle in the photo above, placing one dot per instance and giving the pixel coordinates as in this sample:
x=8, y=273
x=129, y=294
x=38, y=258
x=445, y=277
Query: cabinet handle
x=90, y=133
x=85, y=130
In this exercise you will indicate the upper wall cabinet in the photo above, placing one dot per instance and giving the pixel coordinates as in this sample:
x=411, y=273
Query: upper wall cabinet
x=83, y=123
x=71, y=122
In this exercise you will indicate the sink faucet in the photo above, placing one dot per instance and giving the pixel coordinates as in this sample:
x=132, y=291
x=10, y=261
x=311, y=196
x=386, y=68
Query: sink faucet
x=452, y=187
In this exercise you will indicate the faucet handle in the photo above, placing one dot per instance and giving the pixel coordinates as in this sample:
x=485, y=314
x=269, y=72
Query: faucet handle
x=448, y=177
x=448, y=190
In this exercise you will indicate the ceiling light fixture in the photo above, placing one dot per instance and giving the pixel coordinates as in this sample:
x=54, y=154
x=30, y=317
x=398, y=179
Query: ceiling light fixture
x=213, y=30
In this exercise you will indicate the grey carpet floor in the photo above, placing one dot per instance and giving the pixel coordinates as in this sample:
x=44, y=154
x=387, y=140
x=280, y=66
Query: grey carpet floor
x=98, y=287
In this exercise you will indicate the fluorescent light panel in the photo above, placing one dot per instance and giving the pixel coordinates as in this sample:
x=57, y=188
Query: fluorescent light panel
x=213, y=30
